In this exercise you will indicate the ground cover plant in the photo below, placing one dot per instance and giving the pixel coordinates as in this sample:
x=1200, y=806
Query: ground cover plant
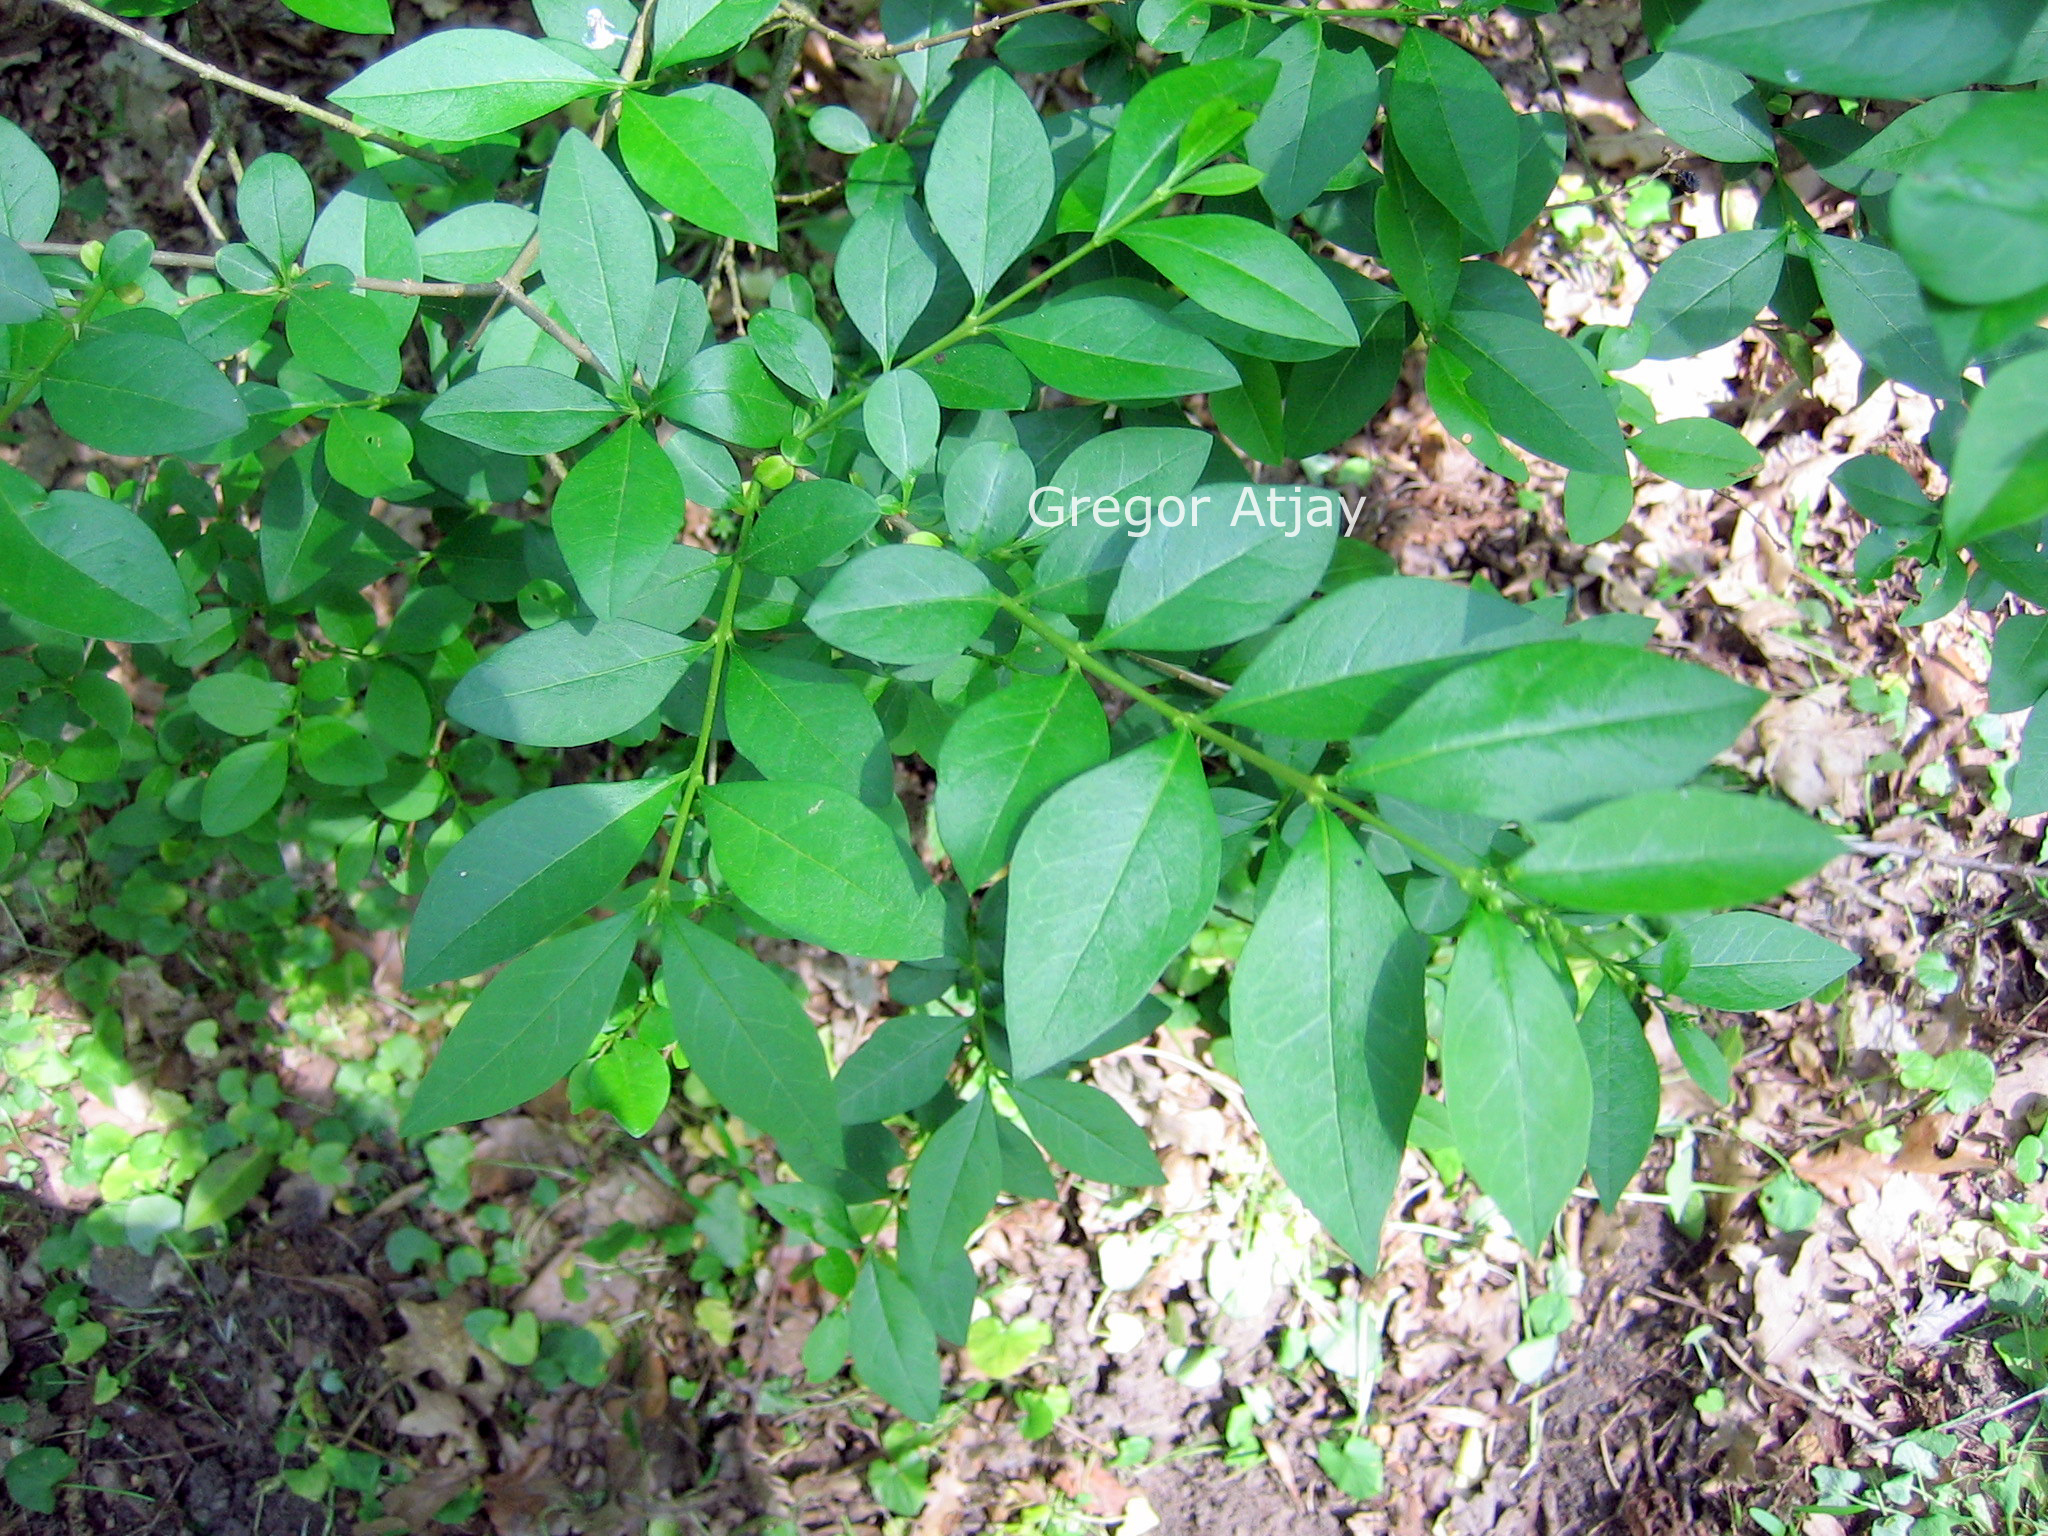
x=1010, y=644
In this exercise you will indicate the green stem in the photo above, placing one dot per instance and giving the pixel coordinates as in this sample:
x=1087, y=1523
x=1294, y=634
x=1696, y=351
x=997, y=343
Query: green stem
x=693, y=779
x=1316, y=790
x=22, y=392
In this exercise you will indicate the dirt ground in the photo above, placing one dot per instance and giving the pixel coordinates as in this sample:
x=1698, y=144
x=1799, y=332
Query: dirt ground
x=1702, y=1374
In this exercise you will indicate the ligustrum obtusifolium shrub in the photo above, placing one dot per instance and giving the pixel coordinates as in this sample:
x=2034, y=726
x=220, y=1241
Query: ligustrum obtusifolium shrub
x=964, y=495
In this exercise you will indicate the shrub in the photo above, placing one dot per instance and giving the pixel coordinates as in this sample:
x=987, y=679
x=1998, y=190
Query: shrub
x=1001, y=474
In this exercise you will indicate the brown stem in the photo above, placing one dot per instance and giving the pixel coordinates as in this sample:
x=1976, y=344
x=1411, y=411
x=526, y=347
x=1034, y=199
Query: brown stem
x=186, y=259
x=803, y=18
x=284, y=99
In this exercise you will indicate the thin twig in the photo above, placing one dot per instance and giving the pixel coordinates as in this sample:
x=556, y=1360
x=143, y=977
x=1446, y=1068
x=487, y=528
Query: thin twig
x=186, y=259
x=1194, y=680
x=1877, y=850
x=791, y=11
x=190, y=187
x=517, y=298
x=284, y=99
x=805, y=199
x=1853, y=1417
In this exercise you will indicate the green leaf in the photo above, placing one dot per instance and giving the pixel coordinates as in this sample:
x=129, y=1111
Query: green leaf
x=903, y=604
x=1002, y=756
x=744, y=1032
x=1148, y=134
x=794, y=350
x=468, y=83
x=953, y=1185
x=2019, y=664
x=342, y=335
x=1544, y=729
x=477, y=243
x=34, y=1475
x=978, y=376
x=274, y=204
x=243, y=786
x=1349, y=662
x=901, y=419
x=898, y=1068
x=1597, y=507
x=334, y=750
x=1626, y=1090
x=1326, y=1013
x=1106, y=347
x=1701, y=1054
x=1697, y=452
x=1516, y=1083
x=527, y=869
x=1882, y=490
x=988, y=492
x=807, y=525
x=370, y=18
x=1330, y=399
x=1703, y=106
x=364, y=229
x=820, y=865
x=1456, y=131
x=2001, y=464
x=519, y=411
x=1861, y=48
x=29, y=192
x=224, y=1186
x=616, y=517
x=1538, y=389
x=87, y=566
x=368, y=452
x=1248, y=273
x=597, y=249
x=886, y=272
x=1314, y=122
x=24, y=292
x=572, y=683
x=536, y=1020
x=316, y=532
x=796, y=719
x=1245, y=557
x=895, y=1352
x=1674, y=851
x=725, y=392
x=989, y=183
x=707, y=154
x=1744, y=962
x=1113, y=875
x=1876, y=302
x=139, y=394
x=687, y=30
x=1710, y=291
x=1085, y=1130
x=1082, y=525
x=240, y=704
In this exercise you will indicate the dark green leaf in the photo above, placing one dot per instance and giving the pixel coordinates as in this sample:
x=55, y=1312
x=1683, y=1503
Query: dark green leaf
x=527, y=869
x=816, y=862
x=597, y=249
x=1246, y=272
x=989, y=183
x=794, y=350
x=1351, y=661
x=468, y=83
x=903, y=604
x=1696, y=451
x=1701, y=1053
x=900, y=1066
x=798, y=720
x=240, y=704
x=1544, y=729
x=1703, y=106
x=2001, y=464
x=807, y=525
x=887, y=271
x=520, y=411
x=744, y=1032
x=1674, y=851
x=1114, y=873
x=1004, y=754
x=1597, y=507
x=616, y=517
x=1894, y=48
x=1709, y=291
x=1456, y=131
x=1516, y=1082
x=978, y=376
x=1538, y=390
x=1087, y=1131
x=24, y=292
x=243, y=786
x=707, y=154
x=137, y=393
x=953, y=1184
x=572, y=683
x=535, y=1021
x=895, y=1353
x=1420, y=242
x=988, y=494
x=1746, y=961
x=724, y=391
x=1105, y=347
x=476, y=243
x=1877, y=304
x=87, y=566
x=901, y=419
x=1626, y=1090
x=1315, y=121
x=687, y=30
x=632, y=1081
x=1326, y=1013
x=1148, y=134
x=29, y=192
x=342, y=335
